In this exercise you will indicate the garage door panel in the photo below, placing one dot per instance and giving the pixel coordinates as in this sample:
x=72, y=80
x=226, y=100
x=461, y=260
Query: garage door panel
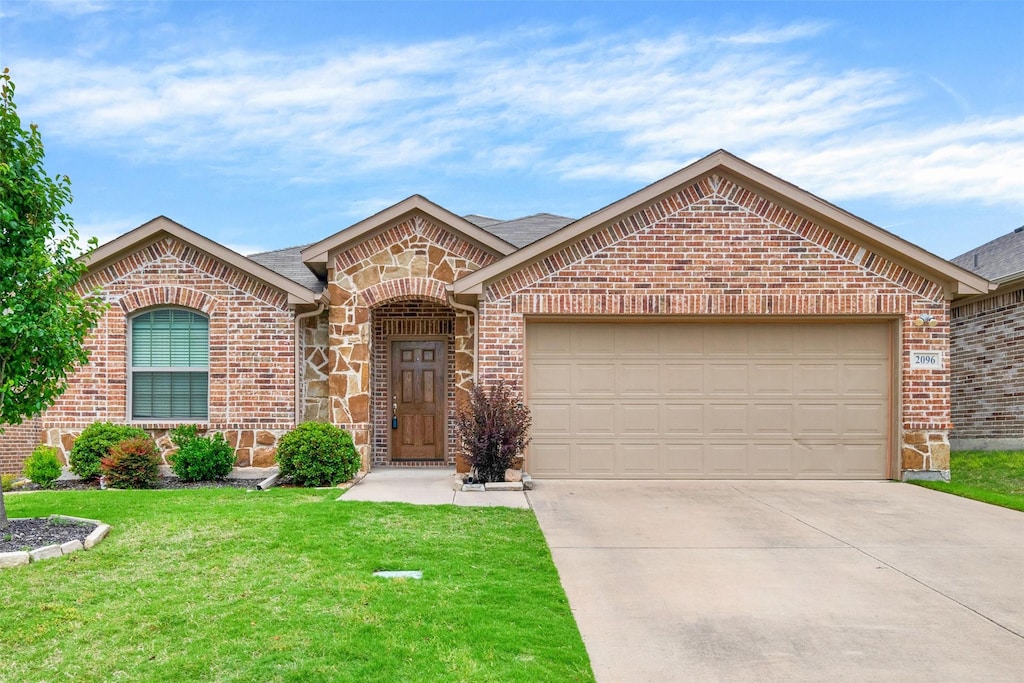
x=633, y=379
x=682, y=418
x=771, y=419
x=638, y=459
x=771, y=379
x=551, y=459
x=682, y=380
x=726, y=459
x=726, y=380
x=639, y=418
x=590, y=418
x=683, y=459
x=721, y=400
x=595, y=458
x=550, y=419
x=595, y=379
x=775, y=459
x=551, y=379
x=722, y=418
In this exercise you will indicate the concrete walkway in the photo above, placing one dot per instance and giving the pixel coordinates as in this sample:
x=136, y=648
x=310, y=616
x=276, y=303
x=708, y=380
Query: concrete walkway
x=426, y=486
x=788, y=581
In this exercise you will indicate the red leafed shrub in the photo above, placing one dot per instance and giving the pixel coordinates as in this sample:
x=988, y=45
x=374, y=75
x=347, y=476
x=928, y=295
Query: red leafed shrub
x=492, y=429
x=132, y=464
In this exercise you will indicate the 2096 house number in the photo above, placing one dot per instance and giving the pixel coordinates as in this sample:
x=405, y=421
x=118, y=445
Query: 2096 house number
x=931, y=360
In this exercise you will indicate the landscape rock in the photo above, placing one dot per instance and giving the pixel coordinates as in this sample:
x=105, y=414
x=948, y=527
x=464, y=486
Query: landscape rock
x=97, y=535
x=513, y=475
x=473, y=487
x=14, y=559
x=527, y=482
x=47, y=552
x=504, y=486
x=70, y=547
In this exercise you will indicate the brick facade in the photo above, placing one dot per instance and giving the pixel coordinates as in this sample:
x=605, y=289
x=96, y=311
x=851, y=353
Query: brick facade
x=717, y=249
x=17, y=443
x=709, y=248
x=988, y=371
x=252, y=354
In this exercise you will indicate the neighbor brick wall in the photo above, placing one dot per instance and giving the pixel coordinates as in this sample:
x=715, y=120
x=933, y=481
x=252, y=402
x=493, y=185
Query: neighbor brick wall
x=252, y=355
x=988, y=371
x=17, y=443
x=715, y=248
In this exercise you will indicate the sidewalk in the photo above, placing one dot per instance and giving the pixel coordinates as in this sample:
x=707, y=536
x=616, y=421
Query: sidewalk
x=426, y=486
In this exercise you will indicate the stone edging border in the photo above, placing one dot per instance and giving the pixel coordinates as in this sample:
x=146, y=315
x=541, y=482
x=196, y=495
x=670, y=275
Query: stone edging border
x=22, y=557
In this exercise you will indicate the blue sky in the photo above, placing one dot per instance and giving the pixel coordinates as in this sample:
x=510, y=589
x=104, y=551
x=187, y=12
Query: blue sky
x=268, y=124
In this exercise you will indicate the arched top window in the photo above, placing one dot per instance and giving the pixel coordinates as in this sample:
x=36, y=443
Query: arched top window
x=169, y=365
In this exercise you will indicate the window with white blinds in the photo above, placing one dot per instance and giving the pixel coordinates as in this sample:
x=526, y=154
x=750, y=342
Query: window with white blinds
x=170, y=365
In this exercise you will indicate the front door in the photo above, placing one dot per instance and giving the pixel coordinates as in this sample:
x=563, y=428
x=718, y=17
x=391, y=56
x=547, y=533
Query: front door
x=417, y=399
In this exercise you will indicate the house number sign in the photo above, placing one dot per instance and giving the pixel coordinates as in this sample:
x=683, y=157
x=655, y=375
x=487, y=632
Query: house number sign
x=926, y=360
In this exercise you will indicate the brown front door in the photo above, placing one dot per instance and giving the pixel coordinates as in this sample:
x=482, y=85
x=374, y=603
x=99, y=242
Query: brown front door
x=417, y=399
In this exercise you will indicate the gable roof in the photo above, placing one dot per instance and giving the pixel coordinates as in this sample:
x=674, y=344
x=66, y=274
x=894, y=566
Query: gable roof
x=161, y=227
x=316, y=255
x=1001, y=258
x=956, y=281
x=528, y=229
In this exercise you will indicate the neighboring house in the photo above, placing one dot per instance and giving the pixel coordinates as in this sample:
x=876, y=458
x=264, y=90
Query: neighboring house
x=720, y=323
x=988, y=350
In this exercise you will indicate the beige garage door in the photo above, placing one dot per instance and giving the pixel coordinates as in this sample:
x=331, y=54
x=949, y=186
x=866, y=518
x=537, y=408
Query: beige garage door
x=693, y=401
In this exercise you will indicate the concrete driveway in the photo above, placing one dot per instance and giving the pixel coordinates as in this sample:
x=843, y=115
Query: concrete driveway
x=788, y=581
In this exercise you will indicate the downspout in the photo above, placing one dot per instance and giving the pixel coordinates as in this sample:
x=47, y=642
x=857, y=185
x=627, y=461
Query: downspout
x=476, y=331
x=298, y=357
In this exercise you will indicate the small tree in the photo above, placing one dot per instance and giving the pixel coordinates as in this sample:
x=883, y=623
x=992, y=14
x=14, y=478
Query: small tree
x=43, y=320
x=492, y=429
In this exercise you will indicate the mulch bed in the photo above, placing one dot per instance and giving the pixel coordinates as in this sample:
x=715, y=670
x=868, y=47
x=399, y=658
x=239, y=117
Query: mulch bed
x=29, y=534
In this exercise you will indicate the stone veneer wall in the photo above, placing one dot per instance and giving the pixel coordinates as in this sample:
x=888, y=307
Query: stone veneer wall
x=412, y=260
x=315, y=369
x=988, y=372
x=717, y=249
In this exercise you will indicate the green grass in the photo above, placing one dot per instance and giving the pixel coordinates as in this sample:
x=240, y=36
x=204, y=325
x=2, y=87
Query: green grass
x=224, y=585
x=995, y=477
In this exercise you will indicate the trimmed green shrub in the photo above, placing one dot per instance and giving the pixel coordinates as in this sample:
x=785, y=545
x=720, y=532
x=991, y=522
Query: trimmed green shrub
x=94, y=444
x=132, y=464
x=492, y=429
x=43, y=466
x=7, y=481
x=200, y=458
x=317, y=454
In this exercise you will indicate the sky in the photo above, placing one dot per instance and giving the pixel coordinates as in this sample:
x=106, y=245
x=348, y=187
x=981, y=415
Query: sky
x=263, y=125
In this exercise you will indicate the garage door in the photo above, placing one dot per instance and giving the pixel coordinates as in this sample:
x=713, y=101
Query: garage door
x=693, y=401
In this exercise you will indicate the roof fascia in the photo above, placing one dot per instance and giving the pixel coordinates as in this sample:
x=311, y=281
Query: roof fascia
x=957, y=281
x=317, y=255
x=153, y=230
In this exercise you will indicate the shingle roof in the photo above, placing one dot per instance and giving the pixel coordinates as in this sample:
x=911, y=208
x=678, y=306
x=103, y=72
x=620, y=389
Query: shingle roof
x=997, y=259
x=288, y=262
x=518, y=232
x=525, y=230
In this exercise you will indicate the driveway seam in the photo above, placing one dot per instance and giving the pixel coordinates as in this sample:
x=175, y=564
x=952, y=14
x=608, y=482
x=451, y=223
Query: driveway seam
x=878, y=559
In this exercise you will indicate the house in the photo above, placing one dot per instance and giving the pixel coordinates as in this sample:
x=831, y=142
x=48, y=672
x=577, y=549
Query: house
x=988, y=350
x=719, y=323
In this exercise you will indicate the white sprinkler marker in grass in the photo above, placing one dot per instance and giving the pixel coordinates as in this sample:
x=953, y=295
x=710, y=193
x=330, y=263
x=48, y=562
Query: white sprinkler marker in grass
x=400, y=574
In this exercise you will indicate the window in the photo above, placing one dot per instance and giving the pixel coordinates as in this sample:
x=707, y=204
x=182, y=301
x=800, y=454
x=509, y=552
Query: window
x=170, y=366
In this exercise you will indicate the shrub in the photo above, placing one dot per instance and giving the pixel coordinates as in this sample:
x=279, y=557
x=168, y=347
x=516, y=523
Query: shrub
x=7, y=481
x=94, y=444
x=200, y=458
x=317, y=454
x=132, y=464
x=43, y=466
x=492, y=429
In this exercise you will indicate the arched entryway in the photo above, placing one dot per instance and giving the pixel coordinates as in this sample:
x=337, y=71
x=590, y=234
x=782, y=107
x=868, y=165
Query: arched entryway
x=413, y=381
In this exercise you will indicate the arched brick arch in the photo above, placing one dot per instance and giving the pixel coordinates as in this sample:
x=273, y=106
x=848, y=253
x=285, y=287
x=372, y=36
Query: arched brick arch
x=403, y=289
x=168, y=296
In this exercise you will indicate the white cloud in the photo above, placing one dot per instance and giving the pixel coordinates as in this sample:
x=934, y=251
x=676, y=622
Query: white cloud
x=571, y=105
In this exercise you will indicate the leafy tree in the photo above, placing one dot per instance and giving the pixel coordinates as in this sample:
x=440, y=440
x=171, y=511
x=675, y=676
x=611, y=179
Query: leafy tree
x=43, y=319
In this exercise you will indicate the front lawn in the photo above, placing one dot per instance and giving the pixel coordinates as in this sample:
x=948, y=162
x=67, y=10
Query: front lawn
x=225, y=585
x=995, y=477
